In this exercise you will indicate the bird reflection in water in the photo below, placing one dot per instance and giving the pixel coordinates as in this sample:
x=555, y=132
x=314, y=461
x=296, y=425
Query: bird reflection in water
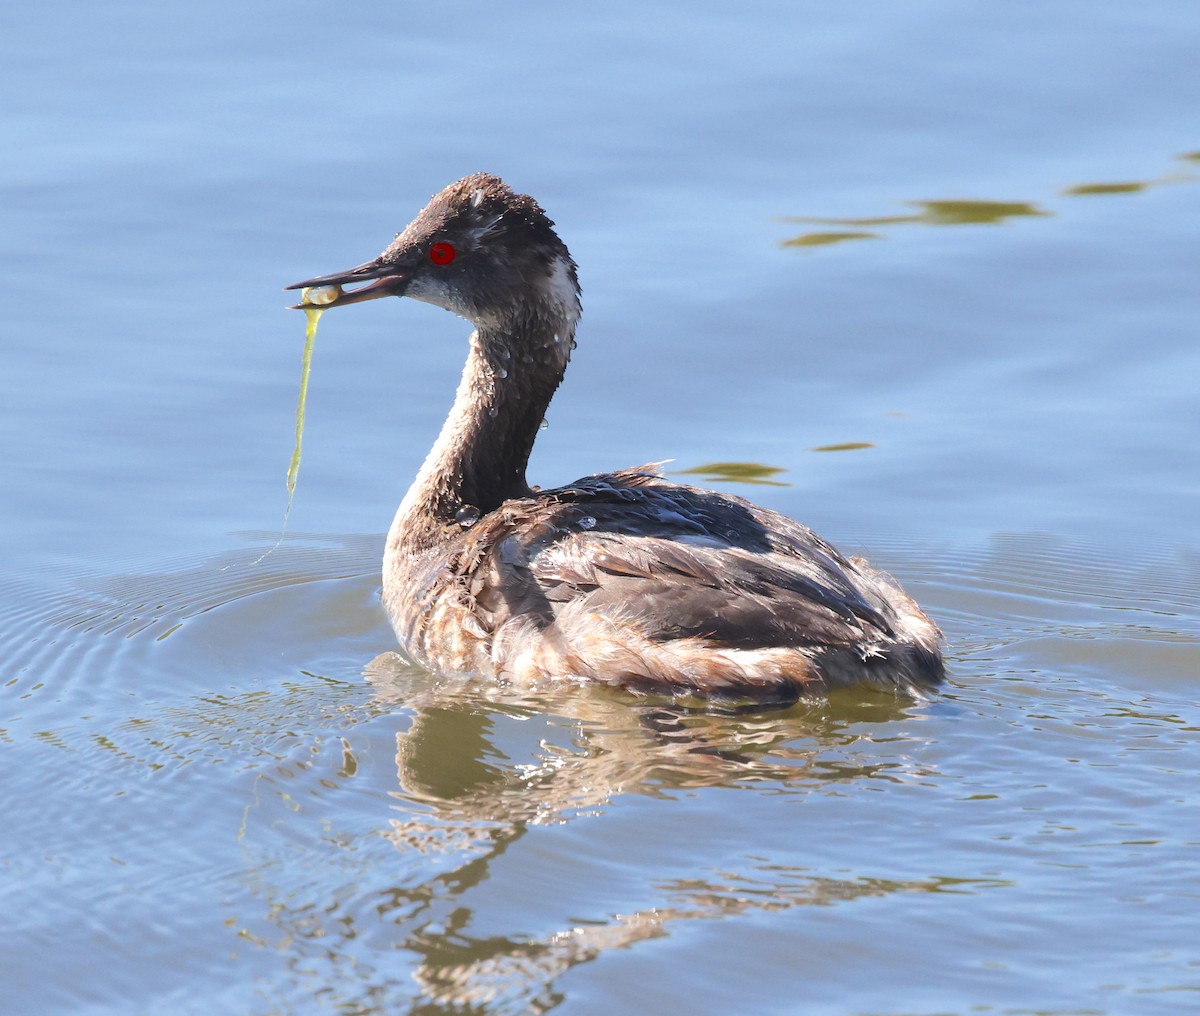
x=464, y=796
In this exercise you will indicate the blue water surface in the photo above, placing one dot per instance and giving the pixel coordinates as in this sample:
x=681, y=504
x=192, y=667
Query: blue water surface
x=929, y=268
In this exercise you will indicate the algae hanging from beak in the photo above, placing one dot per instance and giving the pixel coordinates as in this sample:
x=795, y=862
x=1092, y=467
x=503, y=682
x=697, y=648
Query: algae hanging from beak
x=310, y=338
x=312, y=301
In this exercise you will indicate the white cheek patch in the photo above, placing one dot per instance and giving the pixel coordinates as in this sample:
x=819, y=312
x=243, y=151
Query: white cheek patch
x=561, y=292
x=441, y=293
x=432, y=290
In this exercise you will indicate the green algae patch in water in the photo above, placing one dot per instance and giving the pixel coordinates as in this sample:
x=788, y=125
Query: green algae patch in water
x=736, y=472
x=845, y=446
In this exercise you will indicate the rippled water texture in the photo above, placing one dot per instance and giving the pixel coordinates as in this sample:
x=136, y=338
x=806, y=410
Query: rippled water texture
x=921, y=275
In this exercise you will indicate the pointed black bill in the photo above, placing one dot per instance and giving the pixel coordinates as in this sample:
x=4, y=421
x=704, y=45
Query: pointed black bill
x=382, y=280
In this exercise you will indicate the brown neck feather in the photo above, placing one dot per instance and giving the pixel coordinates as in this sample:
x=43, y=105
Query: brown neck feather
x=480, y=456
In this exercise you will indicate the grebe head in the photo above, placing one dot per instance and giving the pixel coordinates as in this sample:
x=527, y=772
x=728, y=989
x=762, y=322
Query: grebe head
x=479, y=250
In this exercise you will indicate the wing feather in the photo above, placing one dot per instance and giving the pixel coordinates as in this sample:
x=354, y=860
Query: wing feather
x=678, y=561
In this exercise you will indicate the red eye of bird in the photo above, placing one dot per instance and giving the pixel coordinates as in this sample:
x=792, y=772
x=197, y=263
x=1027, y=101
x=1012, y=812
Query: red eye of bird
x=441, y=253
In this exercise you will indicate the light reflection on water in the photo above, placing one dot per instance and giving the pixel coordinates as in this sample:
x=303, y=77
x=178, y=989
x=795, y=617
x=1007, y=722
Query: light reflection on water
x=391, y=839
x=478, y=772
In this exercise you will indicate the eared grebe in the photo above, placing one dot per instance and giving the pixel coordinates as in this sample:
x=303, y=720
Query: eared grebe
x=621, y=578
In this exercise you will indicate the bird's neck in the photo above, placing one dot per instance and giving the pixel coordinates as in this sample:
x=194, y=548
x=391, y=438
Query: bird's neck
x=481, y=454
